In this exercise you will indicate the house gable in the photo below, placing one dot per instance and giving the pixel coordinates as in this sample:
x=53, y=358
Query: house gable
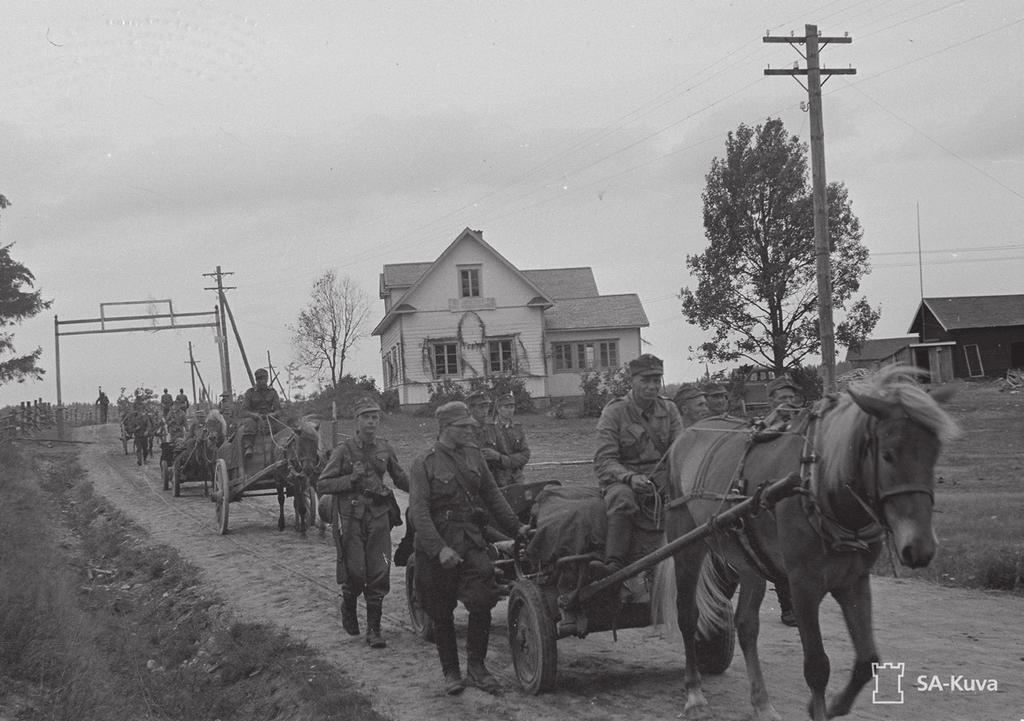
x=492, y=281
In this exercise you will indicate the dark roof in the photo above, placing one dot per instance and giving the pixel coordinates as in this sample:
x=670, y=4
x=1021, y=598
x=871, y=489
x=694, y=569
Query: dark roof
x=402, y=275
x=564, y=282
x=603, y=311
x=973, y=311
x=879, y=348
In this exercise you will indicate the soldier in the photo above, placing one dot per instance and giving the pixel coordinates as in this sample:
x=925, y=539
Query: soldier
x=362, y=515
x=176, y=422
x=451, y=494
x=104, y=403
x=166, y=402
x=783, y=403
x=479, y=404
x=692, y=404
x=633, y=434
x=718, y=398
x=259, y=402
x=505, y=450
x=181, y=398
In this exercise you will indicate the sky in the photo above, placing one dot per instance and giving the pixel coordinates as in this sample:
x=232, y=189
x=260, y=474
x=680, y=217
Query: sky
x=143, y=148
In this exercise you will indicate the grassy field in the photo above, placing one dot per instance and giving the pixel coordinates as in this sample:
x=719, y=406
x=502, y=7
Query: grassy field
x=979, y=481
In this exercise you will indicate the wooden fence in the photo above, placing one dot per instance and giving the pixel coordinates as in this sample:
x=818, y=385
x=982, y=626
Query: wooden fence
x=30, y=417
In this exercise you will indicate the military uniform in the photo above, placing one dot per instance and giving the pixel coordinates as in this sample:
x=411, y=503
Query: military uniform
x=362, y=514
x=176, y=423
x=261, y=401
x=509, y=441
x=451, y=496
x=166, y=403
x=633, y=441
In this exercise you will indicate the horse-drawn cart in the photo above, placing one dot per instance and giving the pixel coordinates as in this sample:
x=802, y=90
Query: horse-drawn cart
x=283, y=463
x=553, y=599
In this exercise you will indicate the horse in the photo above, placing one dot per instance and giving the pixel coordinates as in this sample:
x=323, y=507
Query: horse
x=140, y=428
x=865, y=460
x=300, y=449
x=198, y=451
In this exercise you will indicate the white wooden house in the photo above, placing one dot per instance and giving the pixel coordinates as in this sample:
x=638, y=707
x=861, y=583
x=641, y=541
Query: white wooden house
x=471, y=313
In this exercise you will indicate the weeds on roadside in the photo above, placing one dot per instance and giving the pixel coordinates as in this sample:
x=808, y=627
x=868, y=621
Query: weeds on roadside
x=130, y=633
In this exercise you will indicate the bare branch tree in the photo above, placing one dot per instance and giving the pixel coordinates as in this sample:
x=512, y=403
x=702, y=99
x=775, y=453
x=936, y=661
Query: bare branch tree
x=330, y=325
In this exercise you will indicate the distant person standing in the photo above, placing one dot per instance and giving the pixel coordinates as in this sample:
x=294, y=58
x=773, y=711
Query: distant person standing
x=104, y=403
x=166, y=402
x=181, y=399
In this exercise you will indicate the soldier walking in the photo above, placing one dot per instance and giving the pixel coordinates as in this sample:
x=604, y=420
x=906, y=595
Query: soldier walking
x=363, y=513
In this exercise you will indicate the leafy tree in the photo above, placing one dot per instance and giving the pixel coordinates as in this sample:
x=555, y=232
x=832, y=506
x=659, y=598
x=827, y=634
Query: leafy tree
x=329, y=327
x=756, y=287
x=17, y=303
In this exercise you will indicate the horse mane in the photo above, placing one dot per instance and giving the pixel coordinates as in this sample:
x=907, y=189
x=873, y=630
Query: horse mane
x=215, y=415
x=894, y=383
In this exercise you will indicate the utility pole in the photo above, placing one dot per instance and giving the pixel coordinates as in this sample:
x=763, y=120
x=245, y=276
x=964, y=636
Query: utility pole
x=222, y=330
x=192, y=368
x=813, y=43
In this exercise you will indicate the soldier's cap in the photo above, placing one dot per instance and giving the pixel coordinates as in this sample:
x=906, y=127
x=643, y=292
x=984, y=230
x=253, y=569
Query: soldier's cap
x=261, y=372
x=715, y=389
x=782, y=382
x=365, y=405
x=476, y=398
x=508, y=399
x=646, y=365
x=686, y=392
x=454, y=413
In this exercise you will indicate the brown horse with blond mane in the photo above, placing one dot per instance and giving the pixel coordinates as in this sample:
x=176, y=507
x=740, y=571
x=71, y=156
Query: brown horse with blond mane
x=866, y=459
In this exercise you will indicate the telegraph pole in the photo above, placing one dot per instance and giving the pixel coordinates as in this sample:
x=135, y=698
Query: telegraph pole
x=813, y=43
x=222, y=330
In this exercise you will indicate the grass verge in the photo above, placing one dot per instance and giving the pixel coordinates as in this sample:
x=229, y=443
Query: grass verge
x=96, y=624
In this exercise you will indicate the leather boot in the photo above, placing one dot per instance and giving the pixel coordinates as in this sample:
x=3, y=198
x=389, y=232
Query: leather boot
x=373, y=614
x=448, y=652
x=616, y=548
x=477, y=636
x=349, y=619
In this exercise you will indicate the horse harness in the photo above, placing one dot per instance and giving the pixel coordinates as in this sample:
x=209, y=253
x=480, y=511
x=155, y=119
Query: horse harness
x=837, y=536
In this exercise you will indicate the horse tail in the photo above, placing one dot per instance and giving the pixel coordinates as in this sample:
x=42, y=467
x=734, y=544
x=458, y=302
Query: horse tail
x=715, y=587
x=716, y=583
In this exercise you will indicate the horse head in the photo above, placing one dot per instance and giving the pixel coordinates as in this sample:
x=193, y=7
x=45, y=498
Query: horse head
x=909, y=430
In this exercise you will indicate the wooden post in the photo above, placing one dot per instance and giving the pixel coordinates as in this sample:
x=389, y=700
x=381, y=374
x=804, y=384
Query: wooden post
x=826, y=329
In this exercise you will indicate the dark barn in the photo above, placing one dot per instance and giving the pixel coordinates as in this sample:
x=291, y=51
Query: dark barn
x=969, y=336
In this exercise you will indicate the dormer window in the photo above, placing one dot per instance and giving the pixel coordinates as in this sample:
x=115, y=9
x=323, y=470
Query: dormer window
x=469, y=281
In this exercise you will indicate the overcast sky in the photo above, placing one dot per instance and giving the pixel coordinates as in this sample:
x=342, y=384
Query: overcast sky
x=143, y=148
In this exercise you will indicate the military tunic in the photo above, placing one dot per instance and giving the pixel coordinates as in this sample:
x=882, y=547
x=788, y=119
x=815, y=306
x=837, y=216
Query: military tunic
x=631, y=441
x=360, y=519
x=451, y=495
x=510, y=441
x=261, y=401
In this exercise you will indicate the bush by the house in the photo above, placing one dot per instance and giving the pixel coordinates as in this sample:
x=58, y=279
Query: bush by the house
x=449, y=390
x=600, y=387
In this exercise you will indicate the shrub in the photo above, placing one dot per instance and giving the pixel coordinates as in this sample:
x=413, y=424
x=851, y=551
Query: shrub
x=599, y=388
x=450, y=390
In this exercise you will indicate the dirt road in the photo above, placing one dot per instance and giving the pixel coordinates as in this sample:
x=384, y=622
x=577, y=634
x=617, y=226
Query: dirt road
x=961, y=639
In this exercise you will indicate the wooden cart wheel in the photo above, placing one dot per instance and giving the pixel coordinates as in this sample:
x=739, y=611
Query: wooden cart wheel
x=222, y=494
x=176, y=479
x=165, y=474
x=532, y=637
x=422, y=626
